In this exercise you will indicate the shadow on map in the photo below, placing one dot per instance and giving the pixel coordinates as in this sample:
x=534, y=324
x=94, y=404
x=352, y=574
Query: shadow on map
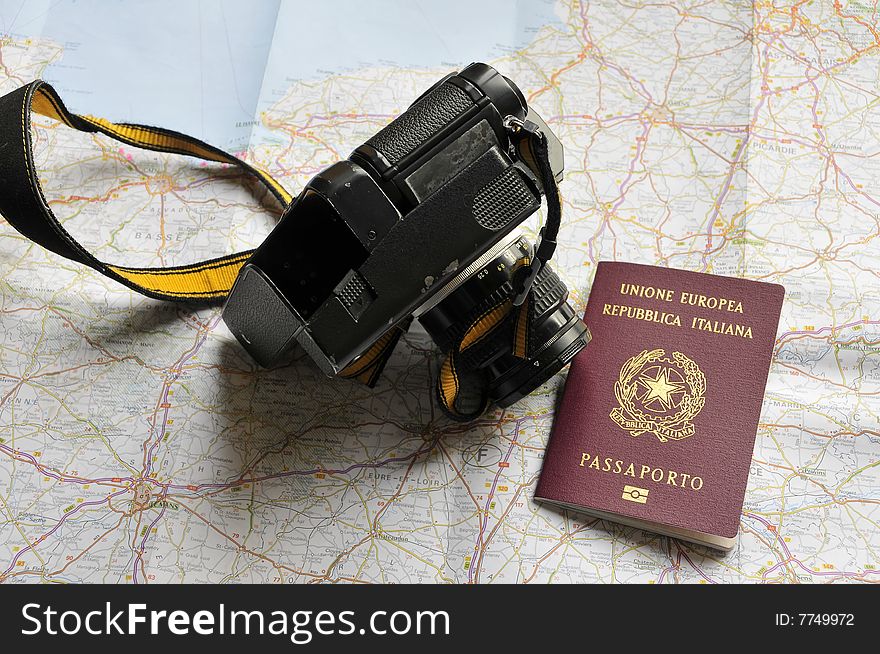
x=292, y=422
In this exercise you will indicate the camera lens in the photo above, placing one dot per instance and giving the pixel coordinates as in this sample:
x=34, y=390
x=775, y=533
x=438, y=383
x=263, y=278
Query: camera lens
x=555, y=334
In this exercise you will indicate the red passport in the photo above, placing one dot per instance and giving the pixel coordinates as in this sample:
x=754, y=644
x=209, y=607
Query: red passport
x=658, y=418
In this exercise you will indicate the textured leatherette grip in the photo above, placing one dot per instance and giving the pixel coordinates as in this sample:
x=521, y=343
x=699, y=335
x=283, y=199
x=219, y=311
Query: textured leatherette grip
x=502, y=200
x=420, y=122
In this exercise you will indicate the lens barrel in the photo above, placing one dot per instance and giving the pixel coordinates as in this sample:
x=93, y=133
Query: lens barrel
x=555, y=333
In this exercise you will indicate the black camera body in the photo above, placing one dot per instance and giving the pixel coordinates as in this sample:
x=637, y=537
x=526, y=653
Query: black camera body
x=372, y=239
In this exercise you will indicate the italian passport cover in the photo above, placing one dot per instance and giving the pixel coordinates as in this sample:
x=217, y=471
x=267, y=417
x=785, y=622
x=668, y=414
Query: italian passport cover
x=657, y=422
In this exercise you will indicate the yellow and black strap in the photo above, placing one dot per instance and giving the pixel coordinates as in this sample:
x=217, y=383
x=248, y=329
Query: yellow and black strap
x=462, y=393
x=367, y=367
x=24, y=205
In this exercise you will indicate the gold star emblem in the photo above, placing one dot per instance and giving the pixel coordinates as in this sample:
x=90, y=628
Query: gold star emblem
x=659, y=395
x=660, y=389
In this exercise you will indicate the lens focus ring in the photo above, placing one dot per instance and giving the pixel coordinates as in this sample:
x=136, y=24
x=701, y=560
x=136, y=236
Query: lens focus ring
x=548, y=292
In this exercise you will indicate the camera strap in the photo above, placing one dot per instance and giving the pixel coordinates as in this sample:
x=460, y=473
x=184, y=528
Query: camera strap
x=533, y=149
x=24, y=205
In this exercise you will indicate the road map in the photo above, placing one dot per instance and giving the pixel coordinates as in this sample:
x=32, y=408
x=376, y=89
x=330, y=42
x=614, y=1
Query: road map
x=140, y=444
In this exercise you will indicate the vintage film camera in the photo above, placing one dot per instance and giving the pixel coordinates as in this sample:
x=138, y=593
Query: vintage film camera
x=421, y=221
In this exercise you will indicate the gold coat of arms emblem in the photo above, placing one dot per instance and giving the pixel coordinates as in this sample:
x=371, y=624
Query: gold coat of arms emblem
x=659, y=395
